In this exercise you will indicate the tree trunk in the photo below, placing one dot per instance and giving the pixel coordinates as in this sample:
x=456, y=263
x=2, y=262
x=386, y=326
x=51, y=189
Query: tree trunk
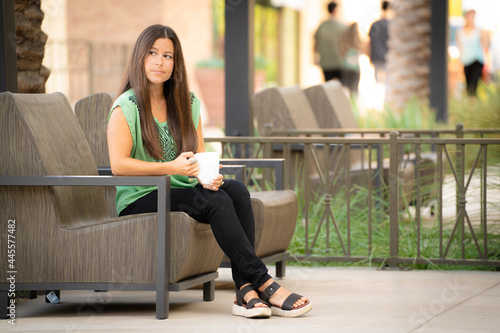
x=409, y=52
x=30, y=47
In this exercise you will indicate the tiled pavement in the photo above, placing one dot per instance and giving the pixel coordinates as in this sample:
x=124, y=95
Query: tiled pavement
x=344, y=299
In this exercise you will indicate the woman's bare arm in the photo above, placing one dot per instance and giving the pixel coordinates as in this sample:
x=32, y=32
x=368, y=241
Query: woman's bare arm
x=201, y=141
x=485, y=39
x=120, y=145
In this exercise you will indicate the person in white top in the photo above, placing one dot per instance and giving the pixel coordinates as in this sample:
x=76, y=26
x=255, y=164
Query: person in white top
x=472, y=43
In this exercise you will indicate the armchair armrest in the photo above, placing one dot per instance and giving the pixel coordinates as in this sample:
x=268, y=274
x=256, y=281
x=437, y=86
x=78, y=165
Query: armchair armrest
x=84, y=180
x=105, y=171
x=276, y=163
x=163, y=236
x=239, y=171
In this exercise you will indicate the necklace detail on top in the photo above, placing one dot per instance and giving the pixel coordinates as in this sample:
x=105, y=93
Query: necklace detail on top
x=155, y=105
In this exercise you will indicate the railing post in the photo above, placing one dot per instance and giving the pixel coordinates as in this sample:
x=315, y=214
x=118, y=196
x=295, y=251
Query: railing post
x=268, y=152
x=460, y=167
x=268, y=146
x=484, y=206
x=459, y=130
x=305, y=193
x=393, y=199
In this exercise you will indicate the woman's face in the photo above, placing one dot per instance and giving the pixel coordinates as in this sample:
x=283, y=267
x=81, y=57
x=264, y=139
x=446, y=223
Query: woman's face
x=469, y=17
x=159, y=61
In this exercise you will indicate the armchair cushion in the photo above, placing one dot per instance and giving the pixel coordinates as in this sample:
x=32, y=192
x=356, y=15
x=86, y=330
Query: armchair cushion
x=64, y=233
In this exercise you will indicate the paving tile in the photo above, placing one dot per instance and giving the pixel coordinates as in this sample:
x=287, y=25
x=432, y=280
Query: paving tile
x=345, y=300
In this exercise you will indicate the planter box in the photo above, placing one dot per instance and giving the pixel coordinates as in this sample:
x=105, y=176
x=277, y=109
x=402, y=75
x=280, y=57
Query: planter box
x=212, y=86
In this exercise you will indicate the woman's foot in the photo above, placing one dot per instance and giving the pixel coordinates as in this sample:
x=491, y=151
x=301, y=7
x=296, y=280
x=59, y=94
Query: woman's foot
x=284, y=303
x=251, y=294
x=249, y=305
x=281, y=295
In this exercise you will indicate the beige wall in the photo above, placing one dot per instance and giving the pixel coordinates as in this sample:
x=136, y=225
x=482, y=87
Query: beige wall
x=54, y=24
x=192, y=21
x=110, y=20
x=312, y=14
x=121, y=21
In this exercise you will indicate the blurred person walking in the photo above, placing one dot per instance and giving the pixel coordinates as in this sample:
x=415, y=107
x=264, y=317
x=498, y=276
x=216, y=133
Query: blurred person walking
x=351, y=46
x=327, y=40
x=472, y=42
x=378, y=48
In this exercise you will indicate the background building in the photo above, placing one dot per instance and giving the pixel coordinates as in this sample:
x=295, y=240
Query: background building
x=89, y=43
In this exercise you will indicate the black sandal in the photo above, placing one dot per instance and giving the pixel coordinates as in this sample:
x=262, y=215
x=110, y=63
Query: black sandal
x=240, y=308
x=286, y=309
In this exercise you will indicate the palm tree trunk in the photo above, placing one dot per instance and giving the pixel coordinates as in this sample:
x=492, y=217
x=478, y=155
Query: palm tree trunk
x=409, y=52
x=30, y=40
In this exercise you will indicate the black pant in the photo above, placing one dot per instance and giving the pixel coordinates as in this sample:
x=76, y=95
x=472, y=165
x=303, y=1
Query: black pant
x=331, y=74
x=350, y=79
x=472, y=75
x=230, y=215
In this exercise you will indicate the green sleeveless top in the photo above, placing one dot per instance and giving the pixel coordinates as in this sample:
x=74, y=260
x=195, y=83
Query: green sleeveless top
x=125, y=195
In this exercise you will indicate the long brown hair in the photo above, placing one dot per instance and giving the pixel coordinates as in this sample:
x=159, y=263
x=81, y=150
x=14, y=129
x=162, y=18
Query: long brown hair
x=176, y=91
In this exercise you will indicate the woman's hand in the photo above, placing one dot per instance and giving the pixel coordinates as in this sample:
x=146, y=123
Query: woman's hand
x=185, y=165
x=215, y=183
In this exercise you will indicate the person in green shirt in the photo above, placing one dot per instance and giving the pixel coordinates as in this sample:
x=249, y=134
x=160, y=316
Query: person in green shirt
x=327, y=41
x=154, y=128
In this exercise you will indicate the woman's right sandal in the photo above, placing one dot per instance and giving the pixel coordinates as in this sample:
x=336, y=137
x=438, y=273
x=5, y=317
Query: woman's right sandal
x=286, y=309
x=240, y=308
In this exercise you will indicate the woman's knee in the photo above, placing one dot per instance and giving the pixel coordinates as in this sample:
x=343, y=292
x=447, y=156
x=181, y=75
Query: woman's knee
x=218, y=199
x=235, y=188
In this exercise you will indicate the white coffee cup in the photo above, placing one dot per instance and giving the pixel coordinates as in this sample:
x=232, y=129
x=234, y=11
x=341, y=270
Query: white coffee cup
x=209, y=166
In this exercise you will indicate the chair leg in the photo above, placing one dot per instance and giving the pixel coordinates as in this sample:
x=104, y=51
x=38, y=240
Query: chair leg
x=209, y=290
x=162, y=306
x=281, y=269
x=4, y=302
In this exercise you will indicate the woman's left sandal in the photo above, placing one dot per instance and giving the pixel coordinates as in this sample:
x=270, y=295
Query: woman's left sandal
x=248, y=310
x=286, y=309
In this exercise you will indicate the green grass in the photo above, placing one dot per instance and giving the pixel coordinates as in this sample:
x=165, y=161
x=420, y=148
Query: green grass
x=417, y=114
x=473, y=113
x=480, y=112
x=359, y=231
x=327, y=242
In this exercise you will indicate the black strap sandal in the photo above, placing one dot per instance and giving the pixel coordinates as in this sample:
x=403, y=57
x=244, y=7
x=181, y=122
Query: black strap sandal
x=286, y=309
x=240, y=308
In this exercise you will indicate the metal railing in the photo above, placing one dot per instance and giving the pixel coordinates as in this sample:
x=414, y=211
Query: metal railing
x=406, y=215
x=458, y=132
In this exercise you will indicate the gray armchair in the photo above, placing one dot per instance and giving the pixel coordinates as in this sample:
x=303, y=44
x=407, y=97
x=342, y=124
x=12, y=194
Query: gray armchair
x=275, y=211
x=65, y=237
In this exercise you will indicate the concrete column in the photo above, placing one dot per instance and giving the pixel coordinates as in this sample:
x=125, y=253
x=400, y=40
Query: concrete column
x=8, y=57
x=438, y=83
x=238, y=49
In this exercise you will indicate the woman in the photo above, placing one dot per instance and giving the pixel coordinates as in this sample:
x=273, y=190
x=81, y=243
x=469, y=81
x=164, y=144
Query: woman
x=350, y=48
x=154, y=129
x=472, y=43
